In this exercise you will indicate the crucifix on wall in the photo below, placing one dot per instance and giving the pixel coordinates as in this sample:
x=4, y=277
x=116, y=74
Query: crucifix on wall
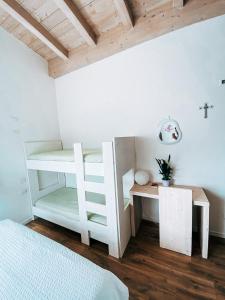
x=206, y=107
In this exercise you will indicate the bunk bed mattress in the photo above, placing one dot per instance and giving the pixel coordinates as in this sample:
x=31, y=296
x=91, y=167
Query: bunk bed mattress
x=35, y=267
x=64, y=202
x=90, y=156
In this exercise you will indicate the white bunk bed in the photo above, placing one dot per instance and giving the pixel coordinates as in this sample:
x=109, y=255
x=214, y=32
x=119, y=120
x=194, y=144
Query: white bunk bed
x=85, y=190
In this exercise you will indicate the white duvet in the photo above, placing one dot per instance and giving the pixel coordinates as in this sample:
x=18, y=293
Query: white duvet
x=35, y=267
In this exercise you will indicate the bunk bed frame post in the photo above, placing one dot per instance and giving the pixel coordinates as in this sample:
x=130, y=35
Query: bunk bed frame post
x=125, y=163
x=32, y=178
x=85, y=236
x=110, y=195
x=33, y=185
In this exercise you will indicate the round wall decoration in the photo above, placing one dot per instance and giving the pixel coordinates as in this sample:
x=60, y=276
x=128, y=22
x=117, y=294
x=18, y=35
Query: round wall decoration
x=169, y=132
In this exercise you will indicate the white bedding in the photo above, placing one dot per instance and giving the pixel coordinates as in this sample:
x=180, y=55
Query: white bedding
x=90, y=155
x=35, y=267
x=64, y=201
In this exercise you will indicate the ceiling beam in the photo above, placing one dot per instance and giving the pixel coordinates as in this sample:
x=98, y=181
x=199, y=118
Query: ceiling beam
x=124, y=12
x=78, y=21
x=156, y=23
x=16, y=11
x=178, y=3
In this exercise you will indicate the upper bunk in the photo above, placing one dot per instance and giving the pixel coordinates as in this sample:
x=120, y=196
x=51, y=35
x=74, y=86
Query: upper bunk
x=50, y=156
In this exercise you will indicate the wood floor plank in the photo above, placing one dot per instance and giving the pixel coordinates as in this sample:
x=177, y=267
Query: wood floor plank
x=149, y=271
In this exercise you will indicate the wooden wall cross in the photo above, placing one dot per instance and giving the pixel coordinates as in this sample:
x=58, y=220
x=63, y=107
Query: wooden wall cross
x=206, y=107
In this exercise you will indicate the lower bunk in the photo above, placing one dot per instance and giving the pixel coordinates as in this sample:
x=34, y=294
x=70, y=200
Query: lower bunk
x=64, y=202
x=62, y=207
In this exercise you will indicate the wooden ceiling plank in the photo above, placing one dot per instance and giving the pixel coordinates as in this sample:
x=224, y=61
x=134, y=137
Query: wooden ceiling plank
x=13, y=8
x=32, y=6
x=73, y=14
x=19, y=31
x=44, y=11
x=53, y=20
x=125, y=13
x=3, y=16
x=143, y=7
x=27, y=37
x=40, y=11
x=49, y=23
x=178, y=3
x=9, y=23
x=46, y=53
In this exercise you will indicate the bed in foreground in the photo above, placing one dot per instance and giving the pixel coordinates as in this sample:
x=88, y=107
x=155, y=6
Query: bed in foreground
x=35, y=267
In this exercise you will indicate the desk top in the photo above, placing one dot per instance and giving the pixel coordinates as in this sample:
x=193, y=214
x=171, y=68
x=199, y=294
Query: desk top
x=149, y=191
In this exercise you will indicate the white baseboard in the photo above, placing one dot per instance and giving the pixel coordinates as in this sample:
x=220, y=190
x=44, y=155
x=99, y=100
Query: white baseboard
x=26, y=221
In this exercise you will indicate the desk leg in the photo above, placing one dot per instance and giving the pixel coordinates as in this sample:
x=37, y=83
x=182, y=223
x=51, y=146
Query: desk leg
x=204, y=230
x=133, y=231
x=136, y=214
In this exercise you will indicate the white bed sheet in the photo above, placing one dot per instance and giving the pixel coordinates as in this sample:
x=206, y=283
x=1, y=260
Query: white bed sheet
x=35, y=267
x=64, y=201
x=90, y=155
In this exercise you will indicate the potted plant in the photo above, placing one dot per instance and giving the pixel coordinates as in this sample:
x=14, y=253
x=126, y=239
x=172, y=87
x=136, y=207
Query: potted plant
x=165, y=170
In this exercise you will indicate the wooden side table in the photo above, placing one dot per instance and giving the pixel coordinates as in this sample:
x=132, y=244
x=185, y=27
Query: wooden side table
x=152, y=192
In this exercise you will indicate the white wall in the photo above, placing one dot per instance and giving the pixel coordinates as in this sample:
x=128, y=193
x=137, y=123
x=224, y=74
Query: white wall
x=131, y=92
x=27, y=112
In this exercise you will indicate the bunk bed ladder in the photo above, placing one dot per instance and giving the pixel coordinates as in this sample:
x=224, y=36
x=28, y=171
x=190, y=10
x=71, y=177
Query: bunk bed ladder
x=108, y=232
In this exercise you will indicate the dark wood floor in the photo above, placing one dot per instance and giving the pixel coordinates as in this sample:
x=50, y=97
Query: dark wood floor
x=149, y=271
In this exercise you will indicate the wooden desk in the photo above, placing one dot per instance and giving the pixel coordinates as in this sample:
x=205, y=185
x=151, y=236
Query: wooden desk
x=148, y=191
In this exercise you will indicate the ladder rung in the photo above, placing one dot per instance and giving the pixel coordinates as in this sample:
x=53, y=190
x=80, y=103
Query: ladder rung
x=96, y=208
x=95, y=169
x=94, y=187
x=96, y=227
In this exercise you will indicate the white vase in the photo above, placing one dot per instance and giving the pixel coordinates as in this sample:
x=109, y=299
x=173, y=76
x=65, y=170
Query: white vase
x=166, y=183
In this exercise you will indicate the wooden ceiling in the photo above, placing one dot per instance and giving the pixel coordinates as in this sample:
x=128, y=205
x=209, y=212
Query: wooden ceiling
x=70, y=34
